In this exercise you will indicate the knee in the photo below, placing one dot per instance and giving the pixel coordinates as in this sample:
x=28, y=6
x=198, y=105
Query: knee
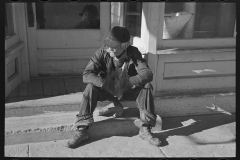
x=89, y=88
x=148, y=86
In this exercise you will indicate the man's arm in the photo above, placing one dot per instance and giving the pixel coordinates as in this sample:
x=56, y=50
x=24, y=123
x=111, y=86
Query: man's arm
x=145, y=74
x=90, y=74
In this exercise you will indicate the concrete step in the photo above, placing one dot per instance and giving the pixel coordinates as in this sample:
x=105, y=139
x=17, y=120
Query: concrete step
x=59, y=126
x=167, y=104
x=182, y=136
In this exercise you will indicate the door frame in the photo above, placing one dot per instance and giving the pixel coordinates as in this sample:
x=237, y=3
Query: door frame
x=16, y=50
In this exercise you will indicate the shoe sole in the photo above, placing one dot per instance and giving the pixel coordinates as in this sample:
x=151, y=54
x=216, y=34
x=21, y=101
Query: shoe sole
x=144, y=138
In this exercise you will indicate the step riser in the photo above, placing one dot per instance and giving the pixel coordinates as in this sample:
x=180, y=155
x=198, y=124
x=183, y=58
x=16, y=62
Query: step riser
x=195, y=105
x=98, y=130
x=164, y=107
x=53, y=127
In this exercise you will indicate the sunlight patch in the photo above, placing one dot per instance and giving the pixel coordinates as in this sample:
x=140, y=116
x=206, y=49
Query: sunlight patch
x=188, y=122
x=204, y=70
x=216, y=108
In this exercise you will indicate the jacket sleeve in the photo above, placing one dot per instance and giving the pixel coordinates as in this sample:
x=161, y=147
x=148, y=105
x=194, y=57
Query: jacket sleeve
x=144, y=73
x=90, y=74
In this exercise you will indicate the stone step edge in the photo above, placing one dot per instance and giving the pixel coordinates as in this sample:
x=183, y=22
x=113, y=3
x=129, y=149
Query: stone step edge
x=65, y=132
x=69, y=126
x=100, y=129
x=164, y=107
x=76, y=98
x=64, y=128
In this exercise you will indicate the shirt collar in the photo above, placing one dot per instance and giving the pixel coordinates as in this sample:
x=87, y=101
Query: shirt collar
x=123, y=55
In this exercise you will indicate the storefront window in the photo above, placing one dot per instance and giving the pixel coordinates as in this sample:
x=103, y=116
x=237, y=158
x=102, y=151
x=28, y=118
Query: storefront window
x=9, y=27
x=67, y=15
x=132, y=17
x=198, y=20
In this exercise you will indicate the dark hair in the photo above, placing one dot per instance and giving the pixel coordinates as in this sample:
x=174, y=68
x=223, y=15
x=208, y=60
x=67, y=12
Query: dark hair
x=90, y=9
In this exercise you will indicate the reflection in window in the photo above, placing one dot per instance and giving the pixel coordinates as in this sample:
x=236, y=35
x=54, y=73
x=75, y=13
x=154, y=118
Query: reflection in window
x=67, y=15
x=132, y=17
x=198, y=20
x=9, y=28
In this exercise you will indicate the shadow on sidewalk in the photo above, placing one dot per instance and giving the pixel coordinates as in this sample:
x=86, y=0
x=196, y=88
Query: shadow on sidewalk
x=121, y=126
x=172, y=126
x=187, y=125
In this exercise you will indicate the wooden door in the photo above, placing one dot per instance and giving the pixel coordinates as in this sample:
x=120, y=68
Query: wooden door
x=57, y=49
x=14, y=47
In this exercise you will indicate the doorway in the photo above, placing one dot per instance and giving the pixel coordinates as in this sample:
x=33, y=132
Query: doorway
x=56, y=47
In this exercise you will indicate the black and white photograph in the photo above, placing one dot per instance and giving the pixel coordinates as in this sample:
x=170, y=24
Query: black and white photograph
x=142, y=79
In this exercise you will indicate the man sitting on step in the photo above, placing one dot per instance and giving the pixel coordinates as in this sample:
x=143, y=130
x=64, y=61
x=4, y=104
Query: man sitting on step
x=116, y=72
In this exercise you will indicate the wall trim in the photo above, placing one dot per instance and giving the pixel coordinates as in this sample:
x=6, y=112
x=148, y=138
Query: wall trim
x=13, y=49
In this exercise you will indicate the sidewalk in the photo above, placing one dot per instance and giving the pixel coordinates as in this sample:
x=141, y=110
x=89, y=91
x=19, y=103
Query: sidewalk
x=186, y=136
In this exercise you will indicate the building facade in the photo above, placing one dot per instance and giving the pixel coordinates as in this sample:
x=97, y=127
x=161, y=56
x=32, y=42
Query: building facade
x=189, y=46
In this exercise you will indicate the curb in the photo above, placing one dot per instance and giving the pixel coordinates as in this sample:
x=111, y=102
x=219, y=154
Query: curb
x=52, y=131
x=164, y=106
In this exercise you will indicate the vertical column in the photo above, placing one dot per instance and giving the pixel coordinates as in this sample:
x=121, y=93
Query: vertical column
x=105, y=18
x=32, y=44
x=189, y=28
x=149, y=35
x=23, y=37
x=6, y=86
x=225, y=19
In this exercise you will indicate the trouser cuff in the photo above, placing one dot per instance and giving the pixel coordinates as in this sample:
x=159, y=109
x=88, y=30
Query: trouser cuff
x=147, y=118
x=83, y=122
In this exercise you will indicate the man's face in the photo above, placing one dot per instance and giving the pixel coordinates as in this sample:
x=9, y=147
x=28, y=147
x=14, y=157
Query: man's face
x=116, y=51
x=85, y=16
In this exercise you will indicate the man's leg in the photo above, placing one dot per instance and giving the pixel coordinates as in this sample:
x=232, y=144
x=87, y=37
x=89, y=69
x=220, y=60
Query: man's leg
x=145, y=102
x=91, y=95
x=146, y=106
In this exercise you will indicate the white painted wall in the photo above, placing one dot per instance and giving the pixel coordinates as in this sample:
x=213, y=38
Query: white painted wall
x=195, y=69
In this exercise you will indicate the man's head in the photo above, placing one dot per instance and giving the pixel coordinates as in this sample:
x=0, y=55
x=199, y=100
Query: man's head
x=89, y=12
x=117, y=40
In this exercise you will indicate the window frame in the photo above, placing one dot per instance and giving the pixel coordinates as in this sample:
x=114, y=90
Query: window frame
x=10, y=41
x=126, y=13
x=194, y=42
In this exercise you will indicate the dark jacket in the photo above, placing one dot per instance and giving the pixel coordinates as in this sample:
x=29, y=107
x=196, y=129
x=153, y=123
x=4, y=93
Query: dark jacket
x=138, y=70
x=88, y=25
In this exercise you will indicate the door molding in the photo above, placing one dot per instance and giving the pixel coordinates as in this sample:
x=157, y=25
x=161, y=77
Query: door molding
x=32, y=44
x=16, y=52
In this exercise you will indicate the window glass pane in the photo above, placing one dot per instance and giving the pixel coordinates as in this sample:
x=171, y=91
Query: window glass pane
x=9, y=28
x=132, y=17
x=67, y=15
x=198, y=20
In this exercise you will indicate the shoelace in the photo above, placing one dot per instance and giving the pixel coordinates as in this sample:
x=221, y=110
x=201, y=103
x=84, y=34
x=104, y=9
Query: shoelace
x=76, y=136
x=149, y=133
